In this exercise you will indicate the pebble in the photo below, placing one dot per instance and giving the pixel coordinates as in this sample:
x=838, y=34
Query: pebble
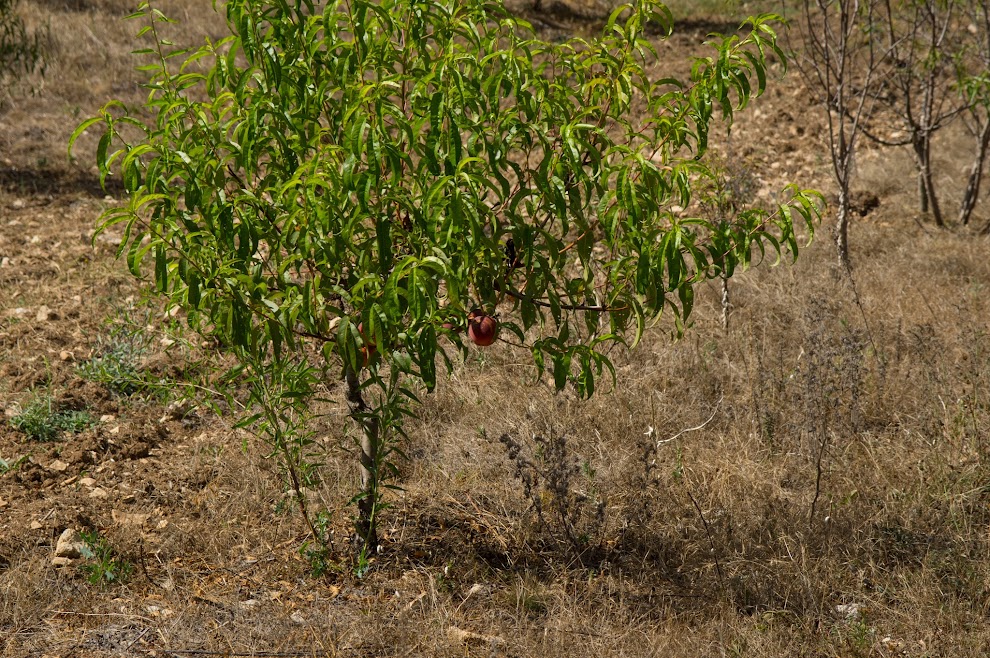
x=69, y=545
x=129, y=518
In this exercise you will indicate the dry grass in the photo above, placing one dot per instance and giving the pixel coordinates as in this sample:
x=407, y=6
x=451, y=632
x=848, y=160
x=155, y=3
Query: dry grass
x=530, y=523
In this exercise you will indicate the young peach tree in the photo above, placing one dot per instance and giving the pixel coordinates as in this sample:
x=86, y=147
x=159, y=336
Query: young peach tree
x=337, y=188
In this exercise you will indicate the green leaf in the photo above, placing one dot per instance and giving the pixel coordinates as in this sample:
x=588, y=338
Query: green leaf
x=161, y=268
x=80, y=129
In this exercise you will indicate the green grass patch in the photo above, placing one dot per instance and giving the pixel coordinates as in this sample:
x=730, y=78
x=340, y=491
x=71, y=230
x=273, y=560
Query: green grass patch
x=42, y=420
x=117, y=362
x=103, y=566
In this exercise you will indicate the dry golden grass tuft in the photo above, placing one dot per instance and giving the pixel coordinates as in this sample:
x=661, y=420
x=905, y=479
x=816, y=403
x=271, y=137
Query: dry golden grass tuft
x=811, y=482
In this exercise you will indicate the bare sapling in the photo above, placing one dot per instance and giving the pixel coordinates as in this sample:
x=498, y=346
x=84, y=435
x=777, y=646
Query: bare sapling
x=842, y=65
x=923, y=40
x=974, y=87
x=21, y=50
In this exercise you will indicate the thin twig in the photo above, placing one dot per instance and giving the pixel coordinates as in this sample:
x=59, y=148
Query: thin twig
x=101, y=614
x=134, y=641
x=239, y=654
x=144, y=567
x=691, y=429
x=822, y=447
x=567, y=307
x=711, y=540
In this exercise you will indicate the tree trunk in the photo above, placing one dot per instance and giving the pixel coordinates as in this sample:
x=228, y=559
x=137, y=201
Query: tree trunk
x=367, y=531
x=926, y=181
x=726, y=304
x=842, y=227
x=972, y=193
x=922, y=193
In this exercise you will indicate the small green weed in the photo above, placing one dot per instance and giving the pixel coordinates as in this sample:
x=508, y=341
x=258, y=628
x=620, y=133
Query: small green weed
x=42, y=420
x=117, y=361
x=320, y=554
x=103, y=566
x=7, y=465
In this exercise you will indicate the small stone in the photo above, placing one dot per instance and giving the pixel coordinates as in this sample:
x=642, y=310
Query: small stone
x=61, y=561
x=65, y=355
x=17, y=204
x=851, y=611
x=44, y=314
x=176, y=410
x=250, y=603
x=461, y=636
x=58, y=465
x=87, y=482
x=3, y=503
x=4, y=262
x=892, y=644
x=477, y=588
x=161, y=525
x=37, y=525
x=98, y=493
x=297, y=617
x=69, y=544
x=106, y=418
x=129, y=518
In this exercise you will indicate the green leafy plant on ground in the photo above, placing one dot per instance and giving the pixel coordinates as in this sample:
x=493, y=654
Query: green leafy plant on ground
x=335, y=192
x=319, y=553
x=8, y=465
x=42, y=419
x=21, y=51
x=103, y=565
x=117, y=361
